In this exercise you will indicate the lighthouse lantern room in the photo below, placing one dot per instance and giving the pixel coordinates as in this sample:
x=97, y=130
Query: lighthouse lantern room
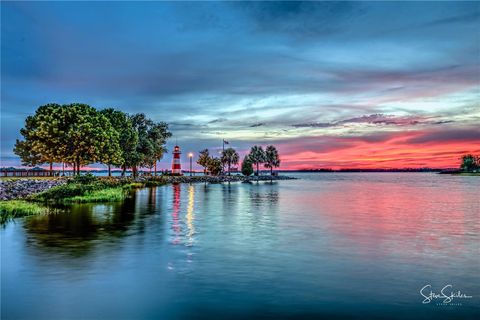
x=176, y=167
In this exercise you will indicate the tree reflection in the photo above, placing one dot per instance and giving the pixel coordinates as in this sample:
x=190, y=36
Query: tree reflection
x=75, y=232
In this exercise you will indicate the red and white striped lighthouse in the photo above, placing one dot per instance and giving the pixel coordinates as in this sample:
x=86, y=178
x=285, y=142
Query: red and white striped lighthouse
x=176, y=167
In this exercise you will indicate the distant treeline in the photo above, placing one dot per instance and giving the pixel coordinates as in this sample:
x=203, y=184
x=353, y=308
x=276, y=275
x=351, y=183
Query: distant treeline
x=79, y=134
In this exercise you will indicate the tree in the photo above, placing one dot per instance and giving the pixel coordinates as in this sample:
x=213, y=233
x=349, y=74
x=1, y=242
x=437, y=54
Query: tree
x=24, y=149
x=214, y=166
x=203, y=159
x=151, y=142
x=157, y=134
x=128, y=137
x=230, y=157
x=470, y=163
x=89, y=134
x=247, y=168
x=271, y=158
x=43, y=136
x=257, y=156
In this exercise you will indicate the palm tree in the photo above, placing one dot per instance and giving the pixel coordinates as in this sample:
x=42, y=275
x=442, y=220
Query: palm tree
x=230, y=156
x=257, y=156
x=271, y=158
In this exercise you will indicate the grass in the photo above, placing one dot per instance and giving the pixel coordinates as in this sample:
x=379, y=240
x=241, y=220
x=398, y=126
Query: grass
x=469, y=174
x=18, y=208
x=103, y=195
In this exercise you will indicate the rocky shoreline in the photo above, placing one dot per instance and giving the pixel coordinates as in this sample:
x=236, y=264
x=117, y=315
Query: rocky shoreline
x=220, y=179
x=11, y=189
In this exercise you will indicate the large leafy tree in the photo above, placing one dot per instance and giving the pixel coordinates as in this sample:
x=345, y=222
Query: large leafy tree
x=128, y=137
x=230, y=157
x=157, y=134
x=151, y=142
x=79, y=134
x=203, y=159
x=272, y=159
x=257, y=156
x=90, y=137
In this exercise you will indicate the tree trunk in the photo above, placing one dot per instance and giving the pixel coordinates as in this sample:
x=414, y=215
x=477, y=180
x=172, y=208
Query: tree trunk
x=124, y=169
x=258, y=174
x=134, y=171
x=51, y=167
x=109, y=170
x=155, y=173
x=74, y=169
x=229, y=168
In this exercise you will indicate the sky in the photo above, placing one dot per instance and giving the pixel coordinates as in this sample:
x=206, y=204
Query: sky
x=331, y=84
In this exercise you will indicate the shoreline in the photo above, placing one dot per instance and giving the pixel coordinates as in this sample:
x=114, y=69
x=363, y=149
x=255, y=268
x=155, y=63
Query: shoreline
x=24, y=187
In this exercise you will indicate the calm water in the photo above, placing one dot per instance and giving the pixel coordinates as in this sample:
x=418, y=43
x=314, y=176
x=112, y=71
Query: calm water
x=339, y=245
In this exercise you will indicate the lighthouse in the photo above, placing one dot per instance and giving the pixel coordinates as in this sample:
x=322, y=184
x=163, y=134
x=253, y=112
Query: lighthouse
x=176, y=167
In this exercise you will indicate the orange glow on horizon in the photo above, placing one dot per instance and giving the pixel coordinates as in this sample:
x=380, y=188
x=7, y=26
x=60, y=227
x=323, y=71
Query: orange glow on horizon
x=393, y=153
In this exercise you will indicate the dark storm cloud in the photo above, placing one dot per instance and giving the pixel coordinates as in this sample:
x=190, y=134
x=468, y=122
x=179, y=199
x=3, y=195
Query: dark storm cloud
x=446, y=136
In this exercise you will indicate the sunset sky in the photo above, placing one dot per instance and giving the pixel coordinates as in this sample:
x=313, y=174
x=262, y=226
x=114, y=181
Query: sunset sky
x=331, y=84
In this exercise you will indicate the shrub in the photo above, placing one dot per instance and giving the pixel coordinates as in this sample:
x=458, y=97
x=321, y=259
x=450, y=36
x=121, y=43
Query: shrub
x=85, y=179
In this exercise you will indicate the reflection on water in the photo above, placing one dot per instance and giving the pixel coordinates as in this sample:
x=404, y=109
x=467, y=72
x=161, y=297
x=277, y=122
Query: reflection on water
x=190, y=217
x=77, y=232
x=328, y=245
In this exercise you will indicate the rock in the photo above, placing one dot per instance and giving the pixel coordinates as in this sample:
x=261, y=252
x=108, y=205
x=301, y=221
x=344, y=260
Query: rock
x=21, y=188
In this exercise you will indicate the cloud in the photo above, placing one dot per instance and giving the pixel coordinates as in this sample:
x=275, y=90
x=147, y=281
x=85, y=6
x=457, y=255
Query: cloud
x=376, y=119
x=447, y=136
x=322, y=74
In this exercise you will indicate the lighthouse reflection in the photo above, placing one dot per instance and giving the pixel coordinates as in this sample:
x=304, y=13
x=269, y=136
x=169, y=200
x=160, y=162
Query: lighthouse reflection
x=176, y=213
x=183, y=228
x=190, y=217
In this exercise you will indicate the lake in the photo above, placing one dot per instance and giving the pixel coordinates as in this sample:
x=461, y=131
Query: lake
x=333, y=245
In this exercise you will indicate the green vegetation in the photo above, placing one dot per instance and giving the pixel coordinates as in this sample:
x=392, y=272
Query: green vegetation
x=470, y=163
x=104, y=195
x=214, y=166
x=271, y=158
x=203, y=159
x=18, y=208
x=210, y=164
x=79, y=134
x=257, y=156
x=87, y=188
x=247, y=168
x=229, y=157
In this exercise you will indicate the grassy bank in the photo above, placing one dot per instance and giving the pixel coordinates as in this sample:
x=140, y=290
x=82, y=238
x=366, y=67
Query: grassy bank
x=86, y=189
x=18, y=208
x=103, y=195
